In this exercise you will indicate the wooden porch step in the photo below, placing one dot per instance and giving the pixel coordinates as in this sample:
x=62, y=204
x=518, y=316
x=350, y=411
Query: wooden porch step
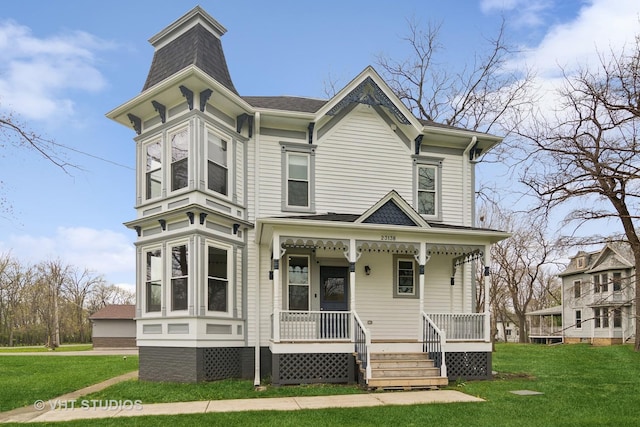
x=388, y=372
x=402, y=363
x=408, y=382
x=399, y=356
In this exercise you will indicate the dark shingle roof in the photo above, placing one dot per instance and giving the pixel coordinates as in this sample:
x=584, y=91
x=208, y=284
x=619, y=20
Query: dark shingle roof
x=390, y=214
x=198, y=47
x=286, y=103
x=123, y=311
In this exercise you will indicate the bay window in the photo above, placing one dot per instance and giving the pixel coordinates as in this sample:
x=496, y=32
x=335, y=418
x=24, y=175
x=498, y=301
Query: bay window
x=217, y=280
x=179, y=277
x=153, y=282
x=217, y=164
x=179, y=141
x=153, y=170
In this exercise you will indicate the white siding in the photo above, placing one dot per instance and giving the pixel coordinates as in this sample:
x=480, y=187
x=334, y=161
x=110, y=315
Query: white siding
x=358, y=162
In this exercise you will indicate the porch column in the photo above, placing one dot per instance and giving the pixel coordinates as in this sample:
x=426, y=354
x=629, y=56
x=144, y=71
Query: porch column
x=277, y=305
x=422, y=260
x=487, y=299
x=352, y=274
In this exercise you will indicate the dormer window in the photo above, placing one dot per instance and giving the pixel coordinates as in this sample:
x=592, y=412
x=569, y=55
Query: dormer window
x=580, y=262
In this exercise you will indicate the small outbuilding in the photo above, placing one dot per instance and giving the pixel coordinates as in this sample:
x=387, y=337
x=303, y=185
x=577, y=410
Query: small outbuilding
x=114, y=326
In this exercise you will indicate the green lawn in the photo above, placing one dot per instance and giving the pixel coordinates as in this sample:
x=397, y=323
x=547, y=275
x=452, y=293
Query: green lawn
x=581, y=386
x=25, y=379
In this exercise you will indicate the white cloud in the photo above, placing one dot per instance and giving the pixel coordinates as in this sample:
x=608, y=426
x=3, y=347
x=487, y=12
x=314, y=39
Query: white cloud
x=527, y=13
x=36, y=73
x=600, y=26
x=103, y=251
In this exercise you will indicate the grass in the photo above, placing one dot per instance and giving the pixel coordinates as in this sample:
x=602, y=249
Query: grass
x=43, y=349
x=25, y=379
x=581, y=386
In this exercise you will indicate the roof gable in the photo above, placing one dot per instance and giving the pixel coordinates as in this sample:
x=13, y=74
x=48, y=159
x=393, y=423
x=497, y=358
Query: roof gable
x=392, y=209
x=611, y=257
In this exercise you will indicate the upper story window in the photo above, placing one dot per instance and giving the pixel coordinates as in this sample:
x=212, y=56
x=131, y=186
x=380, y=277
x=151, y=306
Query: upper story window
x=617, y=282
x=179, y=277
x=428, y=186
x=298, y=172
x=153, y=282
x=179, y=141
x=601, y=282
x=217, y=163
x=153, y=170
x=217, y=279
x=580, y=262
x=577, y=285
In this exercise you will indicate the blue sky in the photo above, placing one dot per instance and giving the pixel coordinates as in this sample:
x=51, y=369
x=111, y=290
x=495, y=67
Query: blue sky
x=64, y=64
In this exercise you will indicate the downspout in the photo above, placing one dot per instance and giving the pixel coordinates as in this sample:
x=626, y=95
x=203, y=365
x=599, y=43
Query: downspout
x=256, y=211
x=465, y=182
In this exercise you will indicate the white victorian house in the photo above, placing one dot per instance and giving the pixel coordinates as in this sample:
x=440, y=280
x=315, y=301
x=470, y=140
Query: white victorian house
x=300, y=239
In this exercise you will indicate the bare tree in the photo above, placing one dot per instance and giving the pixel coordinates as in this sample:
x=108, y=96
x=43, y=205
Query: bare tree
x=586, y=157
x=477, y=97
x=76, y=291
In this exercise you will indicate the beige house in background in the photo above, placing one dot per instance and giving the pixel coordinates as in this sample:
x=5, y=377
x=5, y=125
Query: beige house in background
x=114, y=327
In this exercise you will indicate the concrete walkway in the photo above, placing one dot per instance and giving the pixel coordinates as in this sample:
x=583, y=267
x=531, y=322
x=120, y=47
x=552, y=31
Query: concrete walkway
x=63, y=408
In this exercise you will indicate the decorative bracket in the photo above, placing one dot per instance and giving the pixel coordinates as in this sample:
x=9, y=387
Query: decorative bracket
x=418, y=142
x=244, y=117
x=161, y=109
x=191, y=215
x=163, y=224
x=203, y=216
x=136, y=122
x=187, y=93
x=204, y=97
x=310, y=127
x=138, y=230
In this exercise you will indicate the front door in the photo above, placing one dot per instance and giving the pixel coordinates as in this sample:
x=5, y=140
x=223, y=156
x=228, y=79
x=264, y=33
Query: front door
x=334, y=288
x=334, y=297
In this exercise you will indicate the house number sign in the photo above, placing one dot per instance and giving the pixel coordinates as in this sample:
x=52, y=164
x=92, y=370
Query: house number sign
x=387, y=237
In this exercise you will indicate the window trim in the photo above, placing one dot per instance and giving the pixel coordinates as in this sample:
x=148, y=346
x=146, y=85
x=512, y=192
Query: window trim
x=435, y=162
x=396, y=261
x=616, y=281
x=578, y=315
x=577, y=288
x=580, y=262
x=297, y=148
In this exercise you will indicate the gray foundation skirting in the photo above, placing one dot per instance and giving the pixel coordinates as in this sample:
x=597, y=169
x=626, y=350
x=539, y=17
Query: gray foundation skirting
x=468, y=366
x=307, y=368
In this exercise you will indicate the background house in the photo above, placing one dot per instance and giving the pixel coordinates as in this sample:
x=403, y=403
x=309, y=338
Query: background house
x=545, y=325
x=113, y=326
x=507, y=331
x=598, y=296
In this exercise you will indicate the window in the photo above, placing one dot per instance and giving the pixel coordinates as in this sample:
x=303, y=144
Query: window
x=179, y=159
x=217, y=164
x=578, y=319
x=617, y=282
x=604, y=283
x=601, y=317
x=153, y=169
x=427, y=190
x=427, y=186
x=617, y=318
x=580, y=262
x=153, y=283
x=596, y=283
x=576, y=288
x=298, y=180
x=405, y=277
x=179, y=277
x=298, y=283
x=218, y=280
x=298, y=188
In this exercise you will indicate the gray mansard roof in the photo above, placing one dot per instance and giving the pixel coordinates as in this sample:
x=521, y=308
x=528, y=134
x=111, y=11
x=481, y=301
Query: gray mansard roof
x=197, y=46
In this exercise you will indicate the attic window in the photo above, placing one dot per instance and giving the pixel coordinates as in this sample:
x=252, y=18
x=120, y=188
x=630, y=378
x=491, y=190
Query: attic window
x=580, y=262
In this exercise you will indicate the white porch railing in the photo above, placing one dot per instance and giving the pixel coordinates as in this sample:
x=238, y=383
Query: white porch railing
x=433, y=343
x=362, y=341
x=460, y=326
x=312, y=326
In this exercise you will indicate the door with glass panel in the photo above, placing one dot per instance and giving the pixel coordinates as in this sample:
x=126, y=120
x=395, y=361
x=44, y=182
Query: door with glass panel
x=334, y=302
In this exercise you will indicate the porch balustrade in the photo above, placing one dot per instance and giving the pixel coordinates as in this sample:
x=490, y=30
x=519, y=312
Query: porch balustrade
x=545, y=330
x=313, y=326
x=362, y=341
x=460, y=326
x=433, y=343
